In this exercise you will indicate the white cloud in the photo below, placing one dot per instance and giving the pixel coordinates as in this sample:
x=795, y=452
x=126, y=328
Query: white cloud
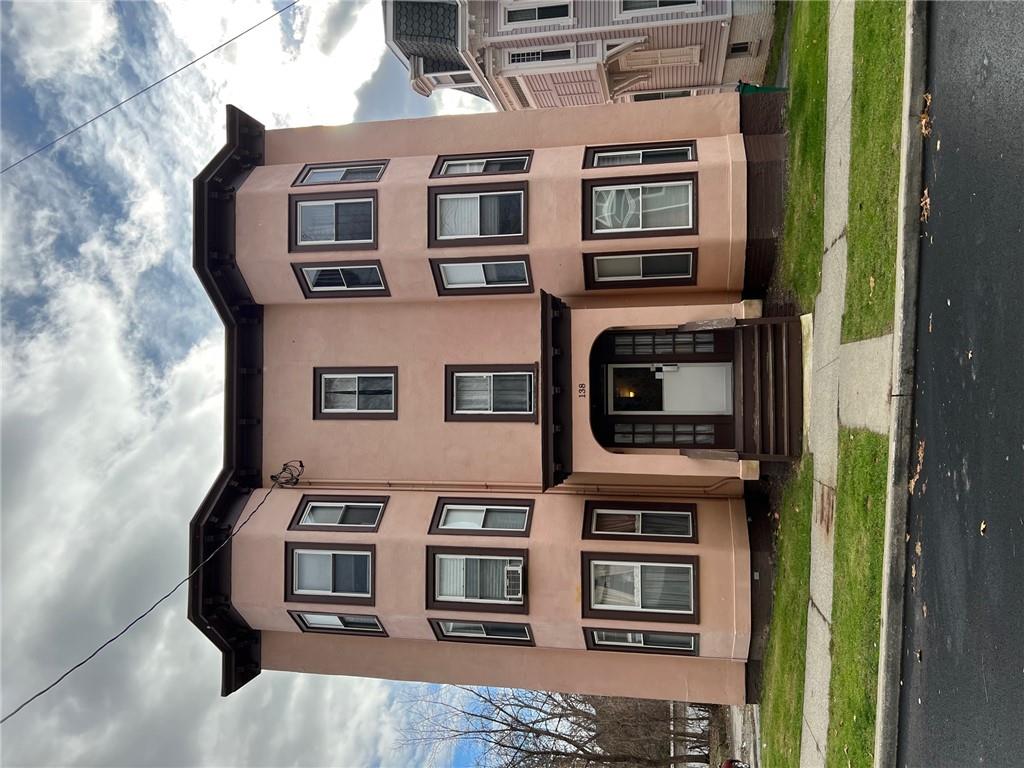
x=61, y=38
x=450, y=101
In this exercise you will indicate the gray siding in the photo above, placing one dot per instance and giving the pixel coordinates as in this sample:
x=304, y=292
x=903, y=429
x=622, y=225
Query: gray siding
x=590, y=14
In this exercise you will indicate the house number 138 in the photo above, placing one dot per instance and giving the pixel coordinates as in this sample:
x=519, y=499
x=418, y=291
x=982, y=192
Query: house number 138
x=581, y=390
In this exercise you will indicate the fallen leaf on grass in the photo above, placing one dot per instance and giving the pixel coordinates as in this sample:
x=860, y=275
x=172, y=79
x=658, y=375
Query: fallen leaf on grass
x=913, y=570
x=871, y=283
x=926, y=205
x=917, y=549
x=983, y=527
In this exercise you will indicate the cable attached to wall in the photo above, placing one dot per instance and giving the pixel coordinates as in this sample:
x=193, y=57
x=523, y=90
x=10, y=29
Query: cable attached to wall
x=288, y=477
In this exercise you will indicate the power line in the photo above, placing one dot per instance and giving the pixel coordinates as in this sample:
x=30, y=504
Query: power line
x=288, y=476
x=142, y=91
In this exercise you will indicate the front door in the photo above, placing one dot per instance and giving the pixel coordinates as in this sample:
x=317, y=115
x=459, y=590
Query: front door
x=682, y=389
x=663, y=389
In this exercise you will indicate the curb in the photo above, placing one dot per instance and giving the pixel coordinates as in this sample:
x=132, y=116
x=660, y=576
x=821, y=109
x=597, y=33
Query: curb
x=902, y=387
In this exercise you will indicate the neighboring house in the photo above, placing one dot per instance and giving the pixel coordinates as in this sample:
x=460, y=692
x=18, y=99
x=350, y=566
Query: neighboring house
x=522, y=54
x=519, y=357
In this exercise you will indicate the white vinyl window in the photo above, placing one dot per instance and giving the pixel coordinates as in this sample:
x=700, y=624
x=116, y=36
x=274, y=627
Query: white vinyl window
x=331, y=572
x=469, y=165
x=640, y=523
x=481, y=214
x=494, y=393
x=669, y=641
x=629, y=586
x=643, y=266
x=357, y=393
x=451, y=79
x=612, y=158
x=642, y=207
x=339, y=174
x=537, y=13
x=342, y=621
x=326, y=222
x=478, y=579
x=351, y=277
x=463, y=517
x=540, y=56
x=659, y=95
x=641, y=6
x=485, y=274
x=360, y=514
x=485, y=630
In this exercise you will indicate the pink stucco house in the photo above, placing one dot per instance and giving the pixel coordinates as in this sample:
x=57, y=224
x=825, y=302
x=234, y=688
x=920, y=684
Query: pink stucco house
x=522, y=358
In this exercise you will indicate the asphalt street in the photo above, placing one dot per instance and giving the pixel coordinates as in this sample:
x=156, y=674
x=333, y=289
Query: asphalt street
x=962, y=696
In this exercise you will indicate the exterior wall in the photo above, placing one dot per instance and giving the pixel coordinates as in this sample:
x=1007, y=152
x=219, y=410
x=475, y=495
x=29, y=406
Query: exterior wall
x=593, y=459
x=420, y=338
x=554, y=589
x=752, y=22
x=555, y=206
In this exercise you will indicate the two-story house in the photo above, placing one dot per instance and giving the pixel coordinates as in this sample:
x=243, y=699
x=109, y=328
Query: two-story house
x=517, y=355
x=524, y=54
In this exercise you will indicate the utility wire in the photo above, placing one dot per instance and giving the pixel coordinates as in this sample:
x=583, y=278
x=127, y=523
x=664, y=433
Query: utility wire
x=288, y=476
x=142, y=91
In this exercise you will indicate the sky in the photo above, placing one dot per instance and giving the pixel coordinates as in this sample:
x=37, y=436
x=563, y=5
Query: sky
x=112, y=375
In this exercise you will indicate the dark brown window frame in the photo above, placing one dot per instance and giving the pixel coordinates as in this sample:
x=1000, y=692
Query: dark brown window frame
x=469, y=189
x=435, y=172
x=435, y=624
x=664, y=617
x=613, y=181
x=590, y=505
x=590, y=153
x=591, y=283
x=341, y=163
x=290, y=596
x=435, y=270
x=435, y=520
x=348, y=194
x=342, y=293
x=308, y=498
x=460, y=606
x=588, y=639
x=319, y=371
x=304, y=627
x=449, y=392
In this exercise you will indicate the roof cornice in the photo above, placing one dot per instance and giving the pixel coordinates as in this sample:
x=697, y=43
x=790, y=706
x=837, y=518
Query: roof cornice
x=213, y=259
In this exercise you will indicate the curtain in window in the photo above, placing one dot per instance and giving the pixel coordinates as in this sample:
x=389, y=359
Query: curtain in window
x=472, y=393
x=512, y=393
x=489, y=578
x=506, y=519
x=509, y=273
x=450, y=573
x=458, y=216
x=665, y=206
x=666, y=588
x=354, y=221
x=608, y=522
x=617, y=208
x=500, y=214
x=463, y=274
x=316, y=222
x=614, y=584
x=313, y=571
x=339, y=393
x=462, y=518
x=659, y=524
x=625, y=158
x=375, y=393
x=352, y=573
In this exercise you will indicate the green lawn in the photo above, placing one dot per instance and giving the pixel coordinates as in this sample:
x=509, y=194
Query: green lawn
x=875, y=145
x=798, y=273
x=857, y=597
x=782, y=700
x=771, y=71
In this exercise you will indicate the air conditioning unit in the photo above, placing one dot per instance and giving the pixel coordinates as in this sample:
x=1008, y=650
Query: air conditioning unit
x=513, y=582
